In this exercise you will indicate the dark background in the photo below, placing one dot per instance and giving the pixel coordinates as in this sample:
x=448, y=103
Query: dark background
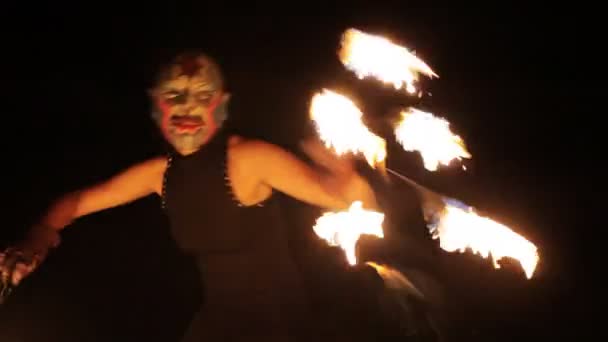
x=516, y=83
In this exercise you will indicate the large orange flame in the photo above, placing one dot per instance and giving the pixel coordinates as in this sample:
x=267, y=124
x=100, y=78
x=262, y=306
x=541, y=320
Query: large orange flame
x=431, y=137
x=344, y=228
x=459, y=228
x=340, y=126
x=371, y=55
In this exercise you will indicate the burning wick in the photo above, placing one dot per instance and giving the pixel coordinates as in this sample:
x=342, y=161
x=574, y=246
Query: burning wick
x=344, y=228
x=458, y=227
x=340, y=126
x=370, y=55
x=431, y=137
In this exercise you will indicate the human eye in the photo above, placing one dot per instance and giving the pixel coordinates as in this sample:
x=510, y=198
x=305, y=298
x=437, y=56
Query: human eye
x=174, y=96
x=204, y=97
x=170, y=94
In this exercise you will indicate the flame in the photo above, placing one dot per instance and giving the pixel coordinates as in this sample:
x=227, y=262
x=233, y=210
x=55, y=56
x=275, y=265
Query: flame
x=394, y=279
x=339, y=124
x=431, y=137
x=344, y=228
x=459, y=228
x=376, y=56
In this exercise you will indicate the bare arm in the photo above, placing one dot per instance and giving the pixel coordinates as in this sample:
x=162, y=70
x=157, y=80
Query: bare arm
x=131, y=184
x=135, y=182
x=276, y=168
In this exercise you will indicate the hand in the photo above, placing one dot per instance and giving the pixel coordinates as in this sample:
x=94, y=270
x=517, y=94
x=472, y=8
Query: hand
x=18, y=261
x=341, y=177
x=323, y=156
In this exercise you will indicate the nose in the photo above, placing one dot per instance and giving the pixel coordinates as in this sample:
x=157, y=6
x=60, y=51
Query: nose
x=190, y=103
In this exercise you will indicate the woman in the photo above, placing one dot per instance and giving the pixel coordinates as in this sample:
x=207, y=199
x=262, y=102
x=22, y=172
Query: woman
x=217, y=190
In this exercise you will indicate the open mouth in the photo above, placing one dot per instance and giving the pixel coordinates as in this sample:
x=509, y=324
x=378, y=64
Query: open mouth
x=187, y=123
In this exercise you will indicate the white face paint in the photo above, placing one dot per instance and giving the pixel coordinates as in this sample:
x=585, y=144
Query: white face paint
x=187, y=96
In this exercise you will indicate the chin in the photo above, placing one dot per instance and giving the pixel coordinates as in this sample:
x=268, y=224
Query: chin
x=186, y=144
x=184, y=152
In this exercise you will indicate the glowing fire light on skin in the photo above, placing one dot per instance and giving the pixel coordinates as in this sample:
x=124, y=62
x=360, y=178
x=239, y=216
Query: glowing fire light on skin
x=458, y=227
x=431, y=137
x=340, y=126
x=376, y=56
x=344, y=228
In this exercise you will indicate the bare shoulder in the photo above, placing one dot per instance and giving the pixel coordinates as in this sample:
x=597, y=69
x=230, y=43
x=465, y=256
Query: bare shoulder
x=153, y=166
x=158, y=163
x=156, y=168
x=244, y=147
x=247, y=163
x=148, y=173
x=138, y=180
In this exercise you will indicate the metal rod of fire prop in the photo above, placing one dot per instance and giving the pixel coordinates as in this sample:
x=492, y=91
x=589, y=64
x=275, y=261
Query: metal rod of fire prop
x=434, y=205
x=432, y=202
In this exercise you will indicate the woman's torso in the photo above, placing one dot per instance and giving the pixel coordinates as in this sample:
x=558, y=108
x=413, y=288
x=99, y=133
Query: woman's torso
x=242, y=251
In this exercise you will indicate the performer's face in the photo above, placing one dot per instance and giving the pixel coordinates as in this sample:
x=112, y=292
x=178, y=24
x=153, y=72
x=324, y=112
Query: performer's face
x=187, y=97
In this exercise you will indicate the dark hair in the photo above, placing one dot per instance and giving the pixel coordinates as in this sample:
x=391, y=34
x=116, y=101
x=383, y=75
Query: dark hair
x=190, y=62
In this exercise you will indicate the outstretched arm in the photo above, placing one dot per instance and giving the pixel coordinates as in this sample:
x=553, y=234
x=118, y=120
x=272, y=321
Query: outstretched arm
x=276, y=168
x=135, y=182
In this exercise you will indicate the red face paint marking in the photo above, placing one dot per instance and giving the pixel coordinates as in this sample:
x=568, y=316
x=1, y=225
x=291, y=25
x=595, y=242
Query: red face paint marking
x=212, y=106
x=209, y=119
x=166, y=115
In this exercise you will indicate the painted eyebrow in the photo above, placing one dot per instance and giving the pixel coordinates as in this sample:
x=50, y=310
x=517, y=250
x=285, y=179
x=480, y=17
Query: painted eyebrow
x=171, y=90
x=204, y=86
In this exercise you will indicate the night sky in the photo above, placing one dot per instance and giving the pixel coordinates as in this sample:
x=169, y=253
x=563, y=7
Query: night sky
x=515, y=83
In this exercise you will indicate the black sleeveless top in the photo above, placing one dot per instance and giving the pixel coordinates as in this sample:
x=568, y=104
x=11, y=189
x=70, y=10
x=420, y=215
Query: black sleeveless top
x=206, y=219
x=247, y=271
x=204, y=215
